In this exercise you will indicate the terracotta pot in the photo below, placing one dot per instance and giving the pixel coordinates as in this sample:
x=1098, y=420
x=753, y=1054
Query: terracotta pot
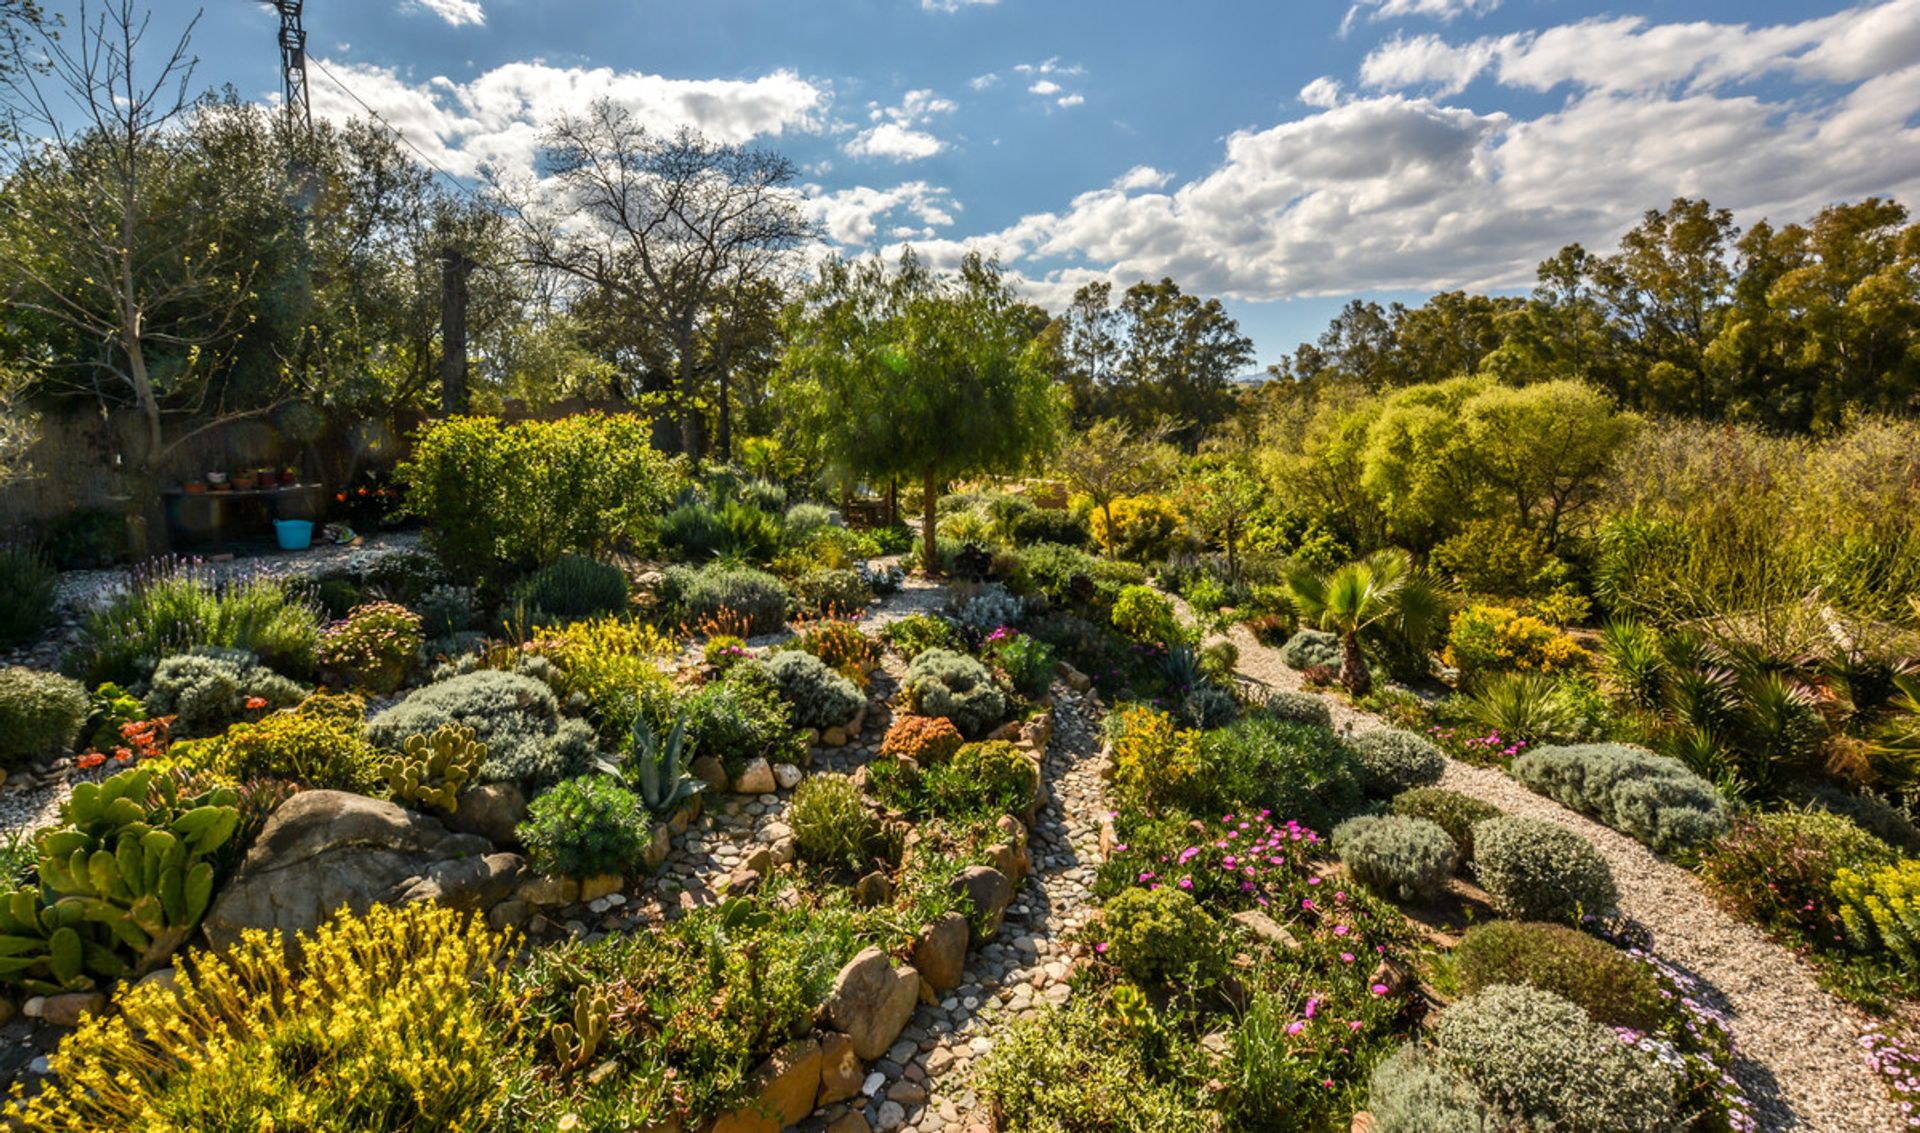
x=194, y=487
x=244, y=481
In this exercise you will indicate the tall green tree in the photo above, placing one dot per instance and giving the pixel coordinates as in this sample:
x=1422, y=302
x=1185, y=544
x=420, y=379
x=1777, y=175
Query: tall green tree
x=915, y=375
x=1158, y=353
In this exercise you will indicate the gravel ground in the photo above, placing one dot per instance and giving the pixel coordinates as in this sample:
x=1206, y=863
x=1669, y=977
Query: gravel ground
x=1799, y=1056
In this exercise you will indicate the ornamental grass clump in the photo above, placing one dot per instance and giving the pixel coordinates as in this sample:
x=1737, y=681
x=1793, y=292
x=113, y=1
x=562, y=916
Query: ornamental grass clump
x=174, y=608
x=831, y=823
x=389, y=1025
x=372, y=647
x=1537, y=871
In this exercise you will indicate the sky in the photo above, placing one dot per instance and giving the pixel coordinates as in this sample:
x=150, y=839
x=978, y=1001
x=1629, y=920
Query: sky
x=1285, y=155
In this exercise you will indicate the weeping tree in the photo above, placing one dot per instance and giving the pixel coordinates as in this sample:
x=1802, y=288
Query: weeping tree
x=911, y=374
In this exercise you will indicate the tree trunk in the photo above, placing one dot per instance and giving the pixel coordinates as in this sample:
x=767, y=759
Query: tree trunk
x=1113, y=539
x=893, y=501
x=723, y=428
x=1353, y=667
x=928, y=522
x=689, y=387
x=453, y=331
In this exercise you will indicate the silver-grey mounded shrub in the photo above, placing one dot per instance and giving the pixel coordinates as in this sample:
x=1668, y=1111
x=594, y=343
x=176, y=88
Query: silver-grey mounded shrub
x=1391, y=761
x=994, y=606
x=1537, y=871
x=817, y=696
x=1650, y=797
x=753, y=597
x=1412, y=1093
x=941, y=682
x=1311, y=648
x=516, y=715
x=1545, y=1064
x=1299, y=708
x=208, y=689
x=1397, y=856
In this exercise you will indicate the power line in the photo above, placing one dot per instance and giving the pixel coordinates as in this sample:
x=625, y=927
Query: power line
x=395, y=131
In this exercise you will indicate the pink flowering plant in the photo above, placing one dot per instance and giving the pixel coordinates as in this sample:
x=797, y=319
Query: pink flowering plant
x=1476, y=744
x=1896, y=1062
x=372, y=647
x=1311, y=1015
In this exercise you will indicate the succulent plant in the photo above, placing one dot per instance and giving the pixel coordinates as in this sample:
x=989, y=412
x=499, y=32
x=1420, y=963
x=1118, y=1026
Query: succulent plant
x=660, y=767
x=430, y=770
x=124, y=882
x=574, y=1043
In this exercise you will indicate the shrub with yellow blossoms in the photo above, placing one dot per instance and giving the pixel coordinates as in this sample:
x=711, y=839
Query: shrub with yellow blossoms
x=388, y=1024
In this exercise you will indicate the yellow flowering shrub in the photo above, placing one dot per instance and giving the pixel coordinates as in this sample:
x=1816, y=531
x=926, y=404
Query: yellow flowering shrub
x=388, y=1025
x=1154, y=761
x=613, y=661
x=1880, y=908
x=1144, y=528
x=1499, y=639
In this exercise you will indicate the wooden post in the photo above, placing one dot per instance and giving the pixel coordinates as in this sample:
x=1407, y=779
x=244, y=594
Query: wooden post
x=454, y=266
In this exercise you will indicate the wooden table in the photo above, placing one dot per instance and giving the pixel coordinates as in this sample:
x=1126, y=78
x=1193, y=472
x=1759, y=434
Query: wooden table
x=195, y=517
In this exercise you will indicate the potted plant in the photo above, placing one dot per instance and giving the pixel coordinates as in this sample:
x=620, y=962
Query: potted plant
x=217, y=481
x=244, y=480
x=194, y=487
x=289, y=477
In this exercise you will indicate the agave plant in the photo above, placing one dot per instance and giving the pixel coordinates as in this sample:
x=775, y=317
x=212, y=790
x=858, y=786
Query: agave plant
x=660, y=767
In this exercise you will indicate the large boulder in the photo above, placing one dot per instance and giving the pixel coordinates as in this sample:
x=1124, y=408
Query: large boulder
x=940, y=952
x=871, y=1001
x=326, y=849
x=990, y=892
x=492, y=810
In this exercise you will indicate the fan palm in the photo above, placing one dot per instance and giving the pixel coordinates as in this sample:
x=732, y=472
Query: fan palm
x=1350, y=600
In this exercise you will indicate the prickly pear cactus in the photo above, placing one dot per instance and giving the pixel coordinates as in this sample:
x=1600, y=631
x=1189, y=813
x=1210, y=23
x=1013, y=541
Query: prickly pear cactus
x=123, y=883
x=431, y=770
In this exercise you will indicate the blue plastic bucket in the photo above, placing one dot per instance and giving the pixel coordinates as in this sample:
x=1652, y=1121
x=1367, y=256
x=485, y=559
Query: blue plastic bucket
x=294, y=534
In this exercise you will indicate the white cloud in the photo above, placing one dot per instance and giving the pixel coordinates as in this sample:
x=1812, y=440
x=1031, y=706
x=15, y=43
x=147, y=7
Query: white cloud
x=1070, y=100
x=1141, y=177
x=1322, y=92
x=982, y=82
x=1443, y=10
x=495, y=119
x=1044, y=88
x=1050, y=66
x=896, y=134
x=953, y=5
x=1398, y=190
x=1630, y=54
x=455, y=12
x=892, y=140
x=851, y=218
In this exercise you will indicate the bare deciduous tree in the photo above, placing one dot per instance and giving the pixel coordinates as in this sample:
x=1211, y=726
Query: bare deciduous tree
x=100, y=240
x=666, y=225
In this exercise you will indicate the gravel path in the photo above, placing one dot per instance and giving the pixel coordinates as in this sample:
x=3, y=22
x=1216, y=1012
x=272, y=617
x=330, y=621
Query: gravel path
x=1799, y=1053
